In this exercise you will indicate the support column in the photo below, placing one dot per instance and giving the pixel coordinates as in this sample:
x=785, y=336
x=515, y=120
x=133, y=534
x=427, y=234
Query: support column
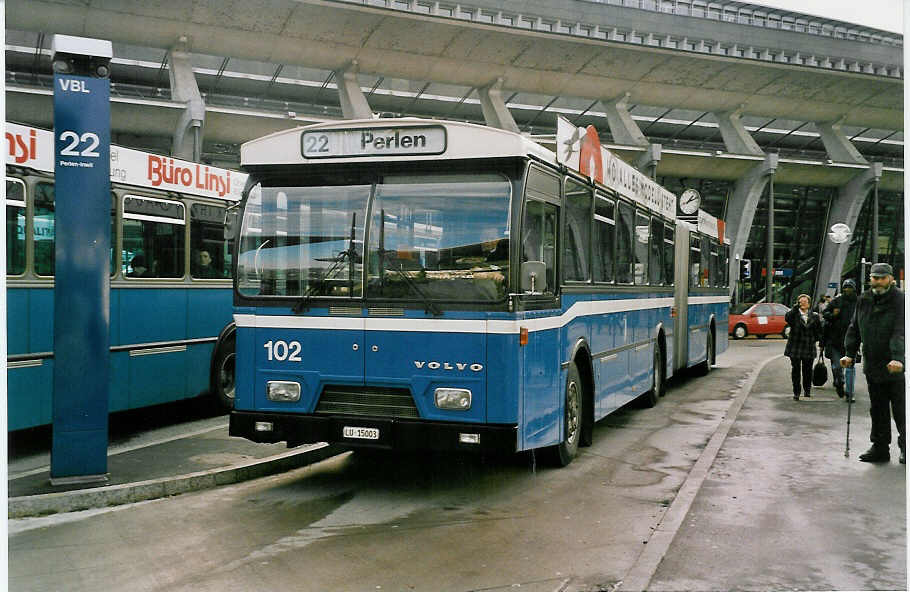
x=837, y=145
x=495, y=112
x=769, y=248
x=627, y=133
x=647, y=162
x=741, y=209
x=748, y=189
x=187, y=144
x=354, y=103
x=736, y=138
x=623, y=128
x=845, y=209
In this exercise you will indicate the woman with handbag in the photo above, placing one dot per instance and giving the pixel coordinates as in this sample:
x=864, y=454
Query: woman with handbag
x=805, y=331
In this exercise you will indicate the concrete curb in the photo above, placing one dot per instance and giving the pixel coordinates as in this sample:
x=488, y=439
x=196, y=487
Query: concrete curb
x=639, y=575
x=126, y=493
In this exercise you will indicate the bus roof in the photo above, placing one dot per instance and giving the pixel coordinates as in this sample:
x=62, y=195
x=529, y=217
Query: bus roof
x=388, y=140
x=33, y=148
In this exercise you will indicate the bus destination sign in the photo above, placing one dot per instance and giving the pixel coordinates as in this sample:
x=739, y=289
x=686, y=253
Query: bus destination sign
x=389, y=141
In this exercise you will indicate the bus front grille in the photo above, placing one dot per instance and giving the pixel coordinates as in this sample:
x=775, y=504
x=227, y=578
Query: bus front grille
x=364, y=400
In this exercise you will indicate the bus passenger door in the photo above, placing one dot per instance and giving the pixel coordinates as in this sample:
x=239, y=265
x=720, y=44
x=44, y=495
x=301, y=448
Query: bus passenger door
x=541, y=376
x=542, y=387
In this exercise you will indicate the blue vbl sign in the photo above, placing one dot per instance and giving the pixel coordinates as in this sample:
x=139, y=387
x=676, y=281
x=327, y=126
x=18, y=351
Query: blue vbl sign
x=82, y=275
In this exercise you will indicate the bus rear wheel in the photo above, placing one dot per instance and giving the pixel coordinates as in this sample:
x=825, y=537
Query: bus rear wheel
x=223, y=385
x=703, y=368
x=650, y=398
x=564, y=452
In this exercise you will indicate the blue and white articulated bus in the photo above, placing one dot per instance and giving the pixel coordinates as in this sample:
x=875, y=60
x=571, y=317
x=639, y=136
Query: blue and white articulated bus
x=423, y=284
x=170, y=295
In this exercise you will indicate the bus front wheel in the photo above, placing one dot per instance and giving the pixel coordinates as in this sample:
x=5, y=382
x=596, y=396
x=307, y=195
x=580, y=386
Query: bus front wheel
x=222, y=380
x=563, y=453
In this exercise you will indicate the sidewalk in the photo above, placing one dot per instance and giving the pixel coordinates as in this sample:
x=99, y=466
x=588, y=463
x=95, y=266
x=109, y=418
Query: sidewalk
x=197, y=461
x=781, y=493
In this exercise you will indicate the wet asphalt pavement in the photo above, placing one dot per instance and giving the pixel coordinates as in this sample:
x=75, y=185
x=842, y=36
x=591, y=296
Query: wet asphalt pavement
x=727, y=484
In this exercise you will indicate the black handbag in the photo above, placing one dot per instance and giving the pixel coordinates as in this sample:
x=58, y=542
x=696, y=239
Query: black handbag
x=819, y=371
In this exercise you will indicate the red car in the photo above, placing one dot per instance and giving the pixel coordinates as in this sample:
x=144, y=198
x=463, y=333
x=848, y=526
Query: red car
x=758, y=319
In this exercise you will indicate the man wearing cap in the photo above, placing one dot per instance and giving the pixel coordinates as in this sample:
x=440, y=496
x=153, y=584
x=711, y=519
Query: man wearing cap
x=878, y=324
x=837, y=317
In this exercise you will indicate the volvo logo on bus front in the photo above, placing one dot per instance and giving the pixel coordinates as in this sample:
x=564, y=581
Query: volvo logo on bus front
x=434, y=365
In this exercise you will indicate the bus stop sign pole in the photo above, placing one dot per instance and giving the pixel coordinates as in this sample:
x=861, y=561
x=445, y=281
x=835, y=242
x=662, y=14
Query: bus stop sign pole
x=82, y=131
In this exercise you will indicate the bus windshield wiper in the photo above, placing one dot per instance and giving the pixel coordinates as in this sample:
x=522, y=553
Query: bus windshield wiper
x=428, y=304
x=348, y=254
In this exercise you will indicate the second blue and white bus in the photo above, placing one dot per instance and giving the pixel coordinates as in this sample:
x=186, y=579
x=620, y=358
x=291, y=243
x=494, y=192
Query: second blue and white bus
x=167, y=306
x=423, y=284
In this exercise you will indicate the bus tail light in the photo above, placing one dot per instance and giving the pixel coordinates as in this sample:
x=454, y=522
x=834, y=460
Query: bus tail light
x=523, y=336
x=672, y=312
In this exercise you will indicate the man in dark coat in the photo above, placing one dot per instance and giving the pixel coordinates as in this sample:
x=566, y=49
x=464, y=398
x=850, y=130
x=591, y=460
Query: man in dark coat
x=805, y=331
x=878, y=324
x=837, y=317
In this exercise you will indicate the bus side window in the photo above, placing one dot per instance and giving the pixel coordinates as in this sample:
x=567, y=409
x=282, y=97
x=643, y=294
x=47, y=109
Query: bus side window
x=655, y=265
x=624, y=243
x=210, y=254
x=15, y=227
x=113, y=265
x=694, y=260
x=153, y=237
x=43, y=229
x=578, y=231
x=539, y=237
x=604, y=238
x=642, y=231
x=669, y=254
x=714, y=266
x=705, y=262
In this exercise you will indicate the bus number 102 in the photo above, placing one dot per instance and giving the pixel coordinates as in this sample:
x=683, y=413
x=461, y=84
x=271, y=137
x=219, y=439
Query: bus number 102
x=282, y=350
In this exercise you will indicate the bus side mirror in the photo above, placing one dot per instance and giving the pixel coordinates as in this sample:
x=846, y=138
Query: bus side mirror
x=231, y=219
x=533, y=277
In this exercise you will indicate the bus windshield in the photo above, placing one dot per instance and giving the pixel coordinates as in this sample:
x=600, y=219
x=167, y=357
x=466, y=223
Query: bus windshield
x=431, y=238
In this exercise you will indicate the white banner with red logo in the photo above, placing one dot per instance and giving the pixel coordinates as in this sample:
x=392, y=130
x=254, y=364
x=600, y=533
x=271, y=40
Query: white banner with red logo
x=34, y=148
x=579, y=149
x=708, y=224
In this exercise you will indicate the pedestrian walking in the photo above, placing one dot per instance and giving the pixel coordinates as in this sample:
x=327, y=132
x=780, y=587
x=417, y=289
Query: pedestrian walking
x=836, y=318
x=822, y=305
x=878, y=324
x=805, y=331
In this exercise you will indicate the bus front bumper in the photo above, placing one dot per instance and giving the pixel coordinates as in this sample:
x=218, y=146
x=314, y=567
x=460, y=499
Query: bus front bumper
x=393, y=434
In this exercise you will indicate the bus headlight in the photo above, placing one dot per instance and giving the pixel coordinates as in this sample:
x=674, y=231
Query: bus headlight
x=282, y=391
x=453, y=398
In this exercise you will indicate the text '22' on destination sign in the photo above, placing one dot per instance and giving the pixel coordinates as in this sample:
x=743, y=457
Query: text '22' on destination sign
x=395, y=141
